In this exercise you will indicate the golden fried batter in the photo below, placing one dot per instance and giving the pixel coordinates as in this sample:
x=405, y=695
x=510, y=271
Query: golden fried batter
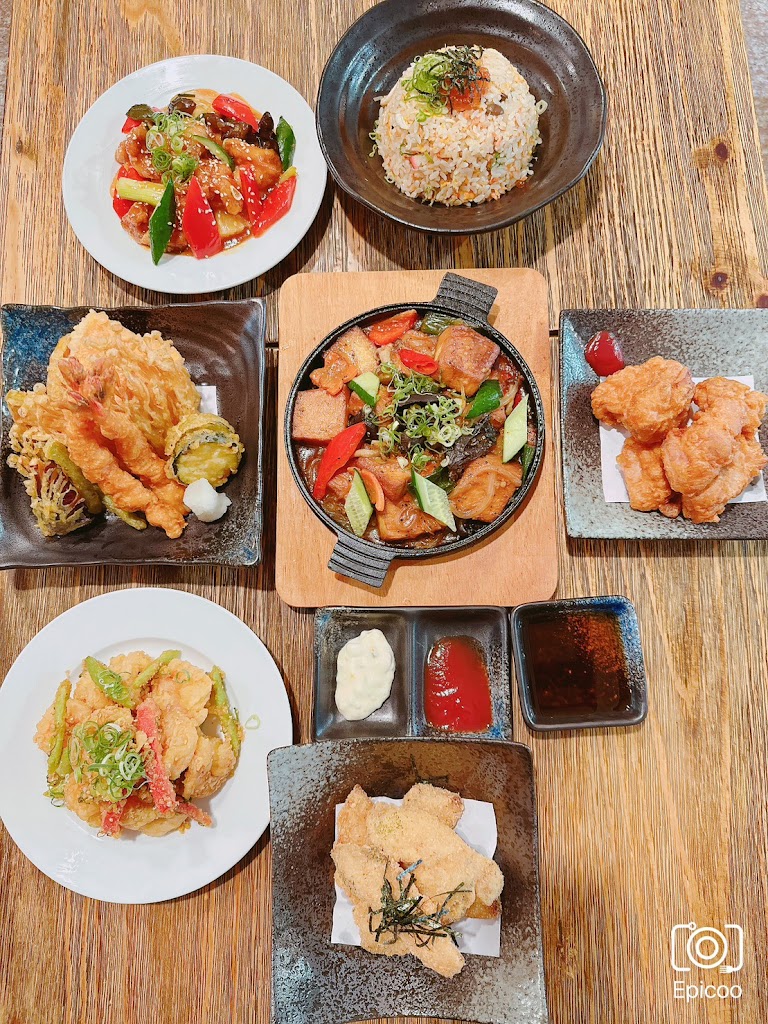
x=646, y=400
x=707, y=505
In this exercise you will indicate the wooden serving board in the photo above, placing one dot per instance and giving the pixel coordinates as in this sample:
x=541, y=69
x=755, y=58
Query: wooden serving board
x=516, y=564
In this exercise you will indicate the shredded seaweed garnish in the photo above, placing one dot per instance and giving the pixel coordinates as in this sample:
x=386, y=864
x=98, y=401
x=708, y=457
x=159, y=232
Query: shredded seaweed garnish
x=439, y=73
x=402, y=914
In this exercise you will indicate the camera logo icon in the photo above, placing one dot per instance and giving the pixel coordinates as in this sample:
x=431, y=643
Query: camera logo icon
x=707, y=948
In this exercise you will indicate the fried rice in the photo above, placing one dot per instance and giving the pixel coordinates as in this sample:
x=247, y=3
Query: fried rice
x=461, y=157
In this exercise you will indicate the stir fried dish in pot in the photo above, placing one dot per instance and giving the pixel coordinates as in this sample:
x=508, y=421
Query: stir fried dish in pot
x=418, y=429
x=202, y=175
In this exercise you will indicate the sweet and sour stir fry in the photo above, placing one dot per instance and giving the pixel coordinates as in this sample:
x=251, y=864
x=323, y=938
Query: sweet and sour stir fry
x=202, y=175
x=126, y=748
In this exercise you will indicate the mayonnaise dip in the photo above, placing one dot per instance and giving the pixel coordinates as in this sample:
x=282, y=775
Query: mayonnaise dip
x=365, y=669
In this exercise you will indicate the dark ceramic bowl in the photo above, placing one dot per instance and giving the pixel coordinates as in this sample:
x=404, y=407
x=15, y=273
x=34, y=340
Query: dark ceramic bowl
x=623, y=614
x=369, y=561
x=411, y=633
x=376, y=50
x=315, y=982
x=223, y=345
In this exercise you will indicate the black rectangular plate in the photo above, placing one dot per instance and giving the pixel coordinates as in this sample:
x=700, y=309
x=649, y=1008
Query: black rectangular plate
x=411, y=632
x=710, y=342
x=223, y=345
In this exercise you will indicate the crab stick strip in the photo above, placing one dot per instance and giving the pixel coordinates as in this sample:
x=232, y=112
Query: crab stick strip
x=163, y=794
x=195, y=813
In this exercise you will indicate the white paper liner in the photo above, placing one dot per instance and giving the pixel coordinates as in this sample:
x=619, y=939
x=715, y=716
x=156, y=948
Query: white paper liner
x=477, y=827
x=612, y=441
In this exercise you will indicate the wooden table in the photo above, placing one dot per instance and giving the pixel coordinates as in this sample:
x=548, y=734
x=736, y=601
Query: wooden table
x=640, y=829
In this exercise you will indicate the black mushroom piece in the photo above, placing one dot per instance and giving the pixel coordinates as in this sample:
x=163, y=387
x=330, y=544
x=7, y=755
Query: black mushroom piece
x=264, y=136
x=225, y=127
x=184, y=103
x=470, y=447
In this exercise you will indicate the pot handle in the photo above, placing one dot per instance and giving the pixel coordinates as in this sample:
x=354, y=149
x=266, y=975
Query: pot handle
x=466, y=296
x=359, y=561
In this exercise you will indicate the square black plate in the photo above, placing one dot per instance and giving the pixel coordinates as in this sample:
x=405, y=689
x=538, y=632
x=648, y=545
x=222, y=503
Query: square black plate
x=411, y=633
x=315, y=982
x=223, y=345
x=710, y=342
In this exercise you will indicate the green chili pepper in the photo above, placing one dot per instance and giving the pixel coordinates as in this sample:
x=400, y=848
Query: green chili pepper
x=218, y=151
x=527, y=458
x=154, y=667
x=228, y=721
x=487, y=399
x=109, y=682
x=162, y=223
x=286, y=142
x=134, y=521
x=436, y=323
x=60, y=726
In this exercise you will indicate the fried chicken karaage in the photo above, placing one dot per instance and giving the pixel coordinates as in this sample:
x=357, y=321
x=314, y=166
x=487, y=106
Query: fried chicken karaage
x=646, y=400
x=643, y=471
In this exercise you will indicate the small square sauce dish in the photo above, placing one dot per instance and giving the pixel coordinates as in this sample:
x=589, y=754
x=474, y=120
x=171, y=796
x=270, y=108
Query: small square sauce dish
x=579, y=663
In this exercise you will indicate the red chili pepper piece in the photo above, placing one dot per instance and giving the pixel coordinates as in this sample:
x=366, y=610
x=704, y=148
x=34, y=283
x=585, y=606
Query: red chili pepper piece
x=336, y=456
x=122, y=206
x=518, y=398
x=129, y=125
x=251, y=195
x=230, y=107
x=160, y=786
x=199, y=223
x=603, y=353
x=112, y=818
x=394, y=327
x=195, y=813
x=275, y=205
x=417, y=361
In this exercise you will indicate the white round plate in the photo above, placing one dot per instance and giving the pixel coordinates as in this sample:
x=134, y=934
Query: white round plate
x=90, y=166
x=138, y=868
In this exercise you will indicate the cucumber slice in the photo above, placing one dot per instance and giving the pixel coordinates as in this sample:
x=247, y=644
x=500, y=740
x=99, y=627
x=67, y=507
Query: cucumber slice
x=433, y=500
x=218, y=151
x=366, y=386
x=516, y=430
x=358, y=505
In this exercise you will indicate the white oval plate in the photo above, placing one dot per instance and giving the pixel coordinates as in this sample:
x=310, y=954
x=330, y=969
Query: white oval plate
x=90, y=166
x=138, y=868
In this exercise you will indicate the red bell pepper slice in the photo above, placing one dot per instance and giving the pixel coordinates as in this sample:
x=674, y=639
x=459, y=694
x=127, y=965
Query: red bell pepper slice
x=417, y=361
x=129, y=125
x=275, y=205
x=160, y=786
x=336, y=456
x=199, y=223
x=195, y=813
x=251, y=195
x=122, y=206
x=112, y=818
x=386, y=331
x=235, y=109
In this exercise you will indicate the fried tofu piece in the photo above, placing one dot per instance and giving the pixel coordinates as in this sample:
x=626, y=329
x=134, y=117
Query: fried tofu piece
x=442, y=804
x=642, y=467
x=646, y=400
x=353, y=818
x=465, y=358
x=394, y=479
x=708, y=505
x=485, y=488
x=404, y=520
x=354, y=353
x=318, y=417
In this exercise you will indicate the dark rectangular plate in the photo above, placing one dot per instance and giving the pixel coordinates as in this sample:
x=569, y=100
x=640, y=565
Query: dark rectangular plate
x=411, y=633
x=315, y=982
x=223, y=345
x=710, y=342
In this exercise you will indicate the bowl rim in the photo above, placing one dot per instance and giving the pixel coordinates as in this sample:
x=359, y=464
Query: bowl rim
x=486, y=530
x=504, y=221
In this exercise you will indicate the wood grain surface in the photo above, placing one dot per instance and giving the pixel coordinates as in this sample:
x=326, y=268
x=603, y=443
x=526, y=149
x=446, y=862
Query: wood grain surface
x=519, y=563
x=640, y=829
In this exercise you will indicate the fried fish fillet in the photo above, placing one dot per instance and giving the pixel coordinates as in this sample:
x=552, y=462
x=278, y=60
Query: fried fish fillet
x=707, y=505
x=353, y=818
x=646, y=400
x=647, y=485
x=440, y=803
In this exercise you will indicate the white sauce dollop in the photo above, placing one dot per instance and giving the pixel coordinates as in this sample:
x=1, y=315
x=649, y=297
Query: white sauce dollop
x=365, y=669
x=204, y=502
